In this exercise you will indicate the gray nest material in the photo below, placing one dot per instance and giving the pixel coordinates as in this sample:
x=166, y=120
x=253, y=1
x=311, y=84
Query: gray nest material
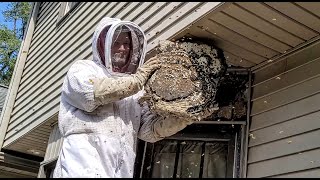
x=187, y=80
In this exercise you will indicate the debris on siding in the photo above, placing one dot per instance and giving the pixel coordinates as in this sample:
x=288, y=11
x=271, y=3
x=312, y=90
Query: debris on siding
x=252, y=136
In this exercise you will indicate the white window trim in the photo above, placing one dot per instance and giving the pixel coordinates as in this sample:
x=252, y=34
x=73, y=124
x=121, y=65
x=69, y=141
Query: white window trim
x=65, y=9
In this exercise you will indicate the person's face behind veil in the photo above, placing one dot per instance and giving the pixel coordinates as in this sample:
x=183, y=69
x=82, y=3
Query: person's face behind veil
x=121, y=52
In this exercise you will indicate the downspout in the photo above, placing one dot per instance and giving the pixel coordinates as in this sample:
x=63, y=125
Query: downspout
x=17, y=73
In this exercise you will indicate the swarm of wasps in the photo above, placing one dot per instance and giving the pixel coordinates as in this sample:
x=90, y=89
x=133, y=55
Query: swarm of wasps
x=187, y=80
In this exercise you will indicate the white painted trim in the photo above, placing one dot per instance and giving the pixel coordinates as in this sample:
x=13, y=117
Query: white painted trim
x=17, y=73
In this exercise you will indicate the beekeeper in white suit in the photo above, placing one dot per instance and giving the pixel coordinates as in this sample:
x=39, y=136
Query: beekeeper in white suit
x=100, y=118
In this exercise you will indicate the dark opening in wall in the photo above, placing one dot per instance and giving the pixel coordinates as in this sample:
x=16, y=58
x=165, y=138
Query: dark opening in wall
x=232, y=96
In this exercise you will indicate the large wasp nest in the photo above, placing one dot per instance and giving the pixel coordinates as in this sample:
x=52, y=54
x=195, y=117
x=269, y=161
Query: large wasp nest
x=187, y=80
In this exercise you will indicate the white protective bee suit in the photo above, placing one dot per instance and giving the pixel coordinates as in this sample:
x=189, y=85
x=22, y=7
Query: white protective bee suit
x=100, y=118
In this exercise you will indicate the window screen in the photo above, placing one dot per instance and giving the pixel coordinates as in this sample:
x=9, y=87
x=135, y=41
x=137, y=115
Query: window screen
x=190, y=159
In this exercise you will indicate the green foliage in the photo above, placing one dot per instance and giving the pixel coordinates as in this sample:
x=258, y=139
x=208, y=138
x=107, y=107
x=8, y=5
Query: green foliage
x=10, y=39
x=9, y=47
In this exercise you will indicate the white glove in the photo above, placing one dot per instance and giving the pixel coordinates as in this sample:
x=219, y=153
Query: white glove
x=107, y=90
x=165, y=127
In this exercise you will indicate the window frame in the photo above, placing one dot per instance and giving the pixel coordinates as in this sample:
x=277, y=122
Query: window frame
x=233, y=158
x=62, y=11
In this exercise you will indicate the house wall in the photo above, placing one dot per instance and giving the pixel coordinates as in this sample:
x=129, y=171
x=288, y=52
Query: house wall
x=54, y=145
x=285, y=126
x=55, y=46
x=3, y=94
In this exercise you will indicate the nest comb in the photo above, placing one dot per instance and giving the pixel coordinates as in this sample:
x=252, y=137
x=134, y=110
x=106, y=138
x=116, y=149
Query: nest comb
x=187, y=80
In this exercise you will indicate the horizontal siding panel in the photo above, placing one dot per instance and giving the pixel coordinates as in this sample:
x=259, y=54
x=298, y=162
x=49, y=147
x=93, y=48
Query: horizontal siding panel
x=22, y=149
x=56, y=36
x=42, y=4
x=49, y=92
x=285, y=129
x=37, y=119
x=236, y=61
x=313, y=7
x=301, y=90
x=279, y=19
x=139, y=11
x=25, y=147
x=284, y=113
x=46, y=83
x=250, y=32
x=42, y=131
x=251, y=19
x=159, y=15
x=294, y=60
x=45, y=28
x=291, y=145
x=228, y=46
x=3, y=95
x=37, y=27
x=237, y=39
x=287, y=164
x=47, y=111
x=186, y=22
x=132, y=6
x=57, y=51
x=145, y=16
x=47, y=22
x=43, y=9
x=311, y=173
x=172, y=18
x=297, y=13
x=286, y=79
x=39, y=139
x=39, y=135
x=53, y=8
x=54, y=144
x=49, y=146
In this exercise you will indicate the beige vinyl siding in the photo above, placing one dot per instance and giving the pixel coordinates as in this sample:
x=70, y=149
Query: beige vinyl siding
x=54, y=145
x=285, y=128
x=3, y=94
x=256, y=33
x=55, y=47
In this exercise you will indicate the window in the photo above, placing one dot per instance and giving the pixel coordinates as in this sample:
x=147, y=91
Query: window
x=69, y=6
x=65, y=9
x=198, y=151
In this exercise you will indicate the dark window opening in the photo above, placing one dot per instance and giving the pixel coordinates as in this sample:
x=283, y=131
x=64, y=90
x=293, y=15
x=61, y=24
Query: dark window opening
x=198, y=151
x=192, y=159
